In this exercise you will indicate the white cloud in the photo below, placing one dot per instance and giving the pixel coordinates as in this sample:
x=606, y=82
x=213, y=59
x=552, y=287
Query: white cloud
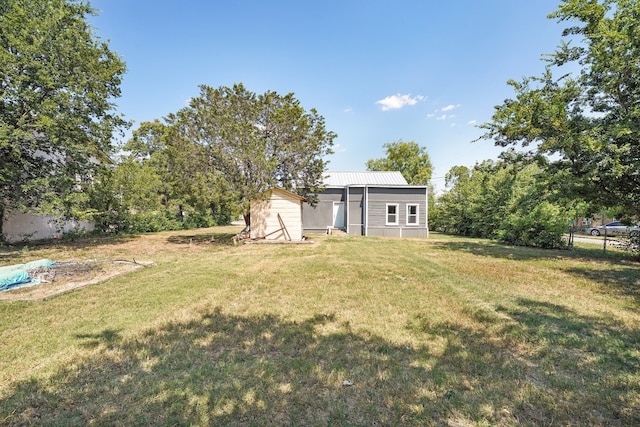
x=472, y=122
x=441, y=117
x=449, y=107
x=337, y=148
x=440, y=113
x=395, y=102
x=347, y=110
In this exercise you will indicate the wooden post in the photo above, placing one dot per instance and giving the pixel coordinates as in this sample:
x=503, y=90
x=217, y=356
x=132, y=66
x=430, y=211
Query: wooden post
x=284, y=227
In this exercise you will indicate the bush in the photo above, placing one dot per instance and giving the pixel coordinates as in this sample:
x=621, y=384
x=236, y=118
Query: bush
x=148, y=222
x=154, y=221
x=541, y=227
x=111, y=222
x=198, y=220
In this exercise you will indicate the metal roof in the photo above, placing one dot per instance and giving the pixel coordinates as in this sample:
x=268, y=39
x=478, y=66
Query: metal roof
x=342, y=179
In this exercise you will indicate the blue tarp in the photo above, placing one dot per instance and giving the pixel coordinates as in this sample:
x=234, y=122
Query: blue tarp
x=13, y=276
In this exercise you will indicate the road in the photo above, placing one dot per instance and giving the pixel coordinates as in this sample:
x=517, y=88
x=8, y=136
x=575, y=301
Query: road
x=581, y=239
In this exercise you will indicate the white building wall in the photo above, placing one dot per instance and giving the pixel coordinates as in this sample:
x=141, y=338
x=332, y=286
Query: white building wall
x=19, y=227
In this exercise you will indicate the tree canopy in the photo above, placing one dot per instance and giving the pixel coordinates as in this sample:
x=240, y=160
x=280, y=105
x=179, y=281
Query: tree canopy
x=586, y=127
x=228, y=146
x=408, y=158
x=258, y=141
x=504, y=200
x=58, y=81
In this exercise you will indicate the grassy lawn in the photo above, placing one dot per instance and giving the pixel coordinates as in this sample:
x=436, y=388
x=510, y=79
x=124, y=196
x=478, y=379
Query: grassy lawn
x=444, y=331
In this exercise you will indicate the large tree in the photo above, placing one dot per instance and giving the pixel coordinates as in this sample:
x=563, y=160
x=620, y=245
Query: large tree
x=406, y=157
x=585, y=126
x=57, y=85
x=190, y=179
x=506, y=200
x=258, y=141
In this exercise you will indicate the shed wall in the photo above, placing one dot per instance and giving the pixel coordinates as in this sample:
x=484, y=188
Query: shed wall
x=264, y=217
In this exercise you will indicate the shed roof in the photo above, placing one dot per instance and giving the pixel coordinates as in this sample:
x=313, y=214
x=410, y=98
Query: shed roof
x=287, y=192
x=281, y=190
x=267, y=194
x=341, y=179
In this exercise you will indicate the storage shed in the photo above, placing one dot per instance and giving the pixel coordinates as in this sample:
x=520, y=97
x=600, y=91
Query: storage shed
x=277, y=215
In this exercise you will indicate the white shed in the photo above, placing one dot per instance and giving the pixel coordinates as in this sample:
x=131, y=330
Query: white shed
x=277, y=216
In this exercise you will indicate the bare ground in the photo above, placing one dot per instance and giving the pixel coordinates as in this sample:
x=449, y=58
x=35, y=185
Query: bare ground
x=91, y=260
x=67, y=276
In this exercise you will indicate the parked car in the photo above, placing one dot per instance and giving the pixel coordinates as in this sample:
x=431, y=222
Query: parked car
x=614, y=228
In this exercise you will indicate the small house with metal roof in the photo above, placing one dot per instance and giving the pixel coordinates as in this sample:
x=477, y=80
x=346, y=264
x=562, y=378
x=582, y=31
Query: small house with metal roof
x=369, y=204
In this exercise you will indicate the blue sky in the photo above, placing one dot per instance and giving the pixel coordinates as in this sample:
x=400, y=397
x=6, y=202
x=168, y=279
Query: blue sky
x=378, y=71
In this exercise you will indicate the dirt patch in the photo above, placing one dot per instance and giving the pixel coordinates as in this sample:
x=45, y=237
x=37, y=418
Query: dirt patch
x=67, y=276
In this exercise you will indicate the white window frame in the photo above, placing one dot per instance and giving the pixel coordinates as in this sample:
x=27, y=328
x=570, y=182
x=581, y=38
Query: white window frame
x=397, y=214
x=416, y=215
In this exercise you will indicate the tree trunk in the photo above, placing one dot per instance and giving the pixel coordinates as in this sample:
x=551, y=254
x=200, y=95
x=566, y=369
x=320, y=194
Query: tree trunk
x=1, y=223
x=247, y=218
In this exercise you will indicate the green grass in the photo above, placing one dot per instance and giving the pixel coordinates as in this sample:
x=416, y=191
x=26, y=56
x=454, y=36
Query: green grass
x=444, y=331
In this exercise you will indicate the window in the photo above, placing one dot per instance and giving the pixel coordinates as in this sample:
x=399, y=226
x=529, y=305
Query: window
x=392, y=214
x=412, y=214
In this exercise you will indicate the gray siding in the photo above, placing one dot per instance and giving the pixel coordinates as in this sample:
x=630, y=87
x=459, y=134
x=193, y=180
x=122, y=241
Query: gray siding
x=366, y=210
x=318, y=218
x=377, y=203
x=399, y=232
x=332, y=195
x=356, y=211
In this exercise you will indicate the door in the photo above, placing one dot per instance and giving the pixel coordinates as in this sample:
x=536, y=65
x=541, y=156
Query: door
x=338, y=214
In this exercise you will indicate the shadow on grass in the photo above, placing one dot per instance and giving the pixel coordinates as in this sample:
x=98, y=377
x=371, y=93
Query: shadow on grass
x=523, y=253
x=216, y=239
x=109, y=338
x=497, y=250
x=221, y=369
x=13, y=253
x=620, y=279
x=9, y=256
x=16, y=251
x=537, y=363
x=590, y=363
